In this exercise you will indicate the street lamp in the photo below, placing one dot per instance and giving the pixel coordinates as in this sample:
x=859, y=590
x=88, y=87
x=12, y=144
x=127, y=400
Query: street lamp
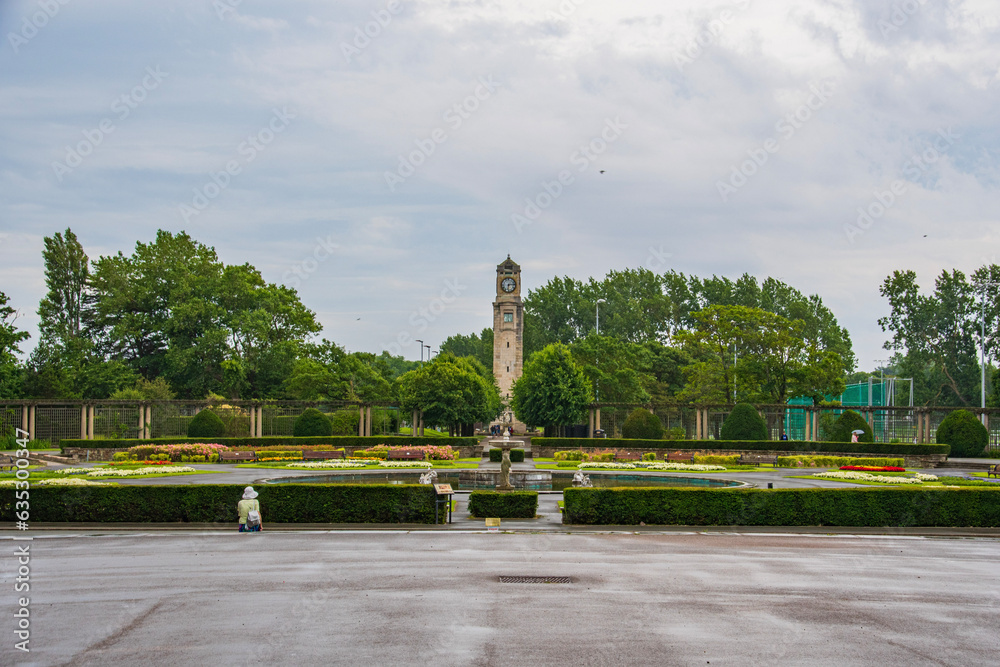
x=597, y=306
x=421, y=349
x=597, y=359
x=982, y=343
x=428, y=351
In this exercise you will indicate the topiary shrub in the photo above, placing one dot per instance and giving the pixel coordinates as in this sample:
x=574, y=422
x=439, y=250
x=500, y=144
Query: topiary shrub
x=206, y=424
x=312, y=422
x=743, y=423
x=516, y=455
x=964, y=432
x=847, y=423
x=642, y=424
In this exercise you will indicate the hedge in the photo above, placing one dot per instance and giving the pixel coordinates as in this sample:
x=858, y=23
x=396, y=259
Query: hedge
x=503, y=504
x=216, y=503
x=288, y=441
x=516, y=455
x=804, y=446
x=783, y=507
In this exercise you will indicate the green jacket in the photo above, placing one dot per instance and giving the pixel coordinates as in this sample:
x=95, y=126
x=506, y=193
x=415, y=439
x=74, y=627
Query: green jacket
x=244, y=507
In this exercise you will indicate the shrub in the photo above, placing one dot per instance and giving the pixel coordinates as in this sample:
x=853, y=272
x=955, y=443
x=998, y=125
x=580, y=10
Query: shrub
x=963, y=431
x=572, y=455
x=743, y=423
x=847, y=423
x=431, y=452
x=516, y=456
x=173, y=452
x=834, y=461
x=345, y=422
x=206, y=424
x=807, y=447
x=649, y=456
x=216, y=503
x=717, y=459
x=198, y=458
x=503, y=505
x=312, y=422
x=677, y=433
x=878, y=507
x=120, y=456
x=286, y=441
x=642, y=423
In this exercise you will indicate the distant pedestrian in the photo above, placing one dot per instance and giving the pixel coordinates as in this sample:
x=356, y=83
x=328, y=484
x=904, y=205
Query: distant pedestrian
x=249, y=509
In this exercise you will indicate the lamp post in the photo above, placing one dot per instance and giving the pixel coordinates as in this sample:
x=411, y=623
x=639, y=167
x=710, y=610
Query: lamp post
x=421, y=350
x=428, y=351
x=597, y=307
x=982, y=316
x=597, y=359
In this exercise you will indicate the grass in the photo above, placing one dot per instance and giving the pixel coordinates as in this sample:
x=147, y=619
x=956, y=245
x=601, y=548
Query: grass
x=428, y=432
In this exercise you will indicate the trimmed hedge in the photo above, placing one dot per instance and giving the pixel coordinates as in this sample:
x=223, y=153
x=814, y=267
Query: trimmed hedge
x=846, y=424
x=312, y=422
x=874, y=507
x=516, y=455
x=837, y=461
x=206, y=424
x=503, y=504
x=642, y=424
x=216, y=503
x=807, y=446
x=744, y=423
x=965, y=433
x=279, y=440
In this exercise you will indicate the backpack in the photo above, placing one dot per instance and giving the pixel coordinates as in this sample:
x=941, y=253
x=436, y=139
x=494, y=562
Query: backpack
x=253, y=519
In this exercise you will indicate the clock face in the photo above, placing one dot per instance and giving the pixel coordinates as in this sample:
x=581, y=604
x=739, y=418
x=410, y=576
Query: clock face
x=508, y=284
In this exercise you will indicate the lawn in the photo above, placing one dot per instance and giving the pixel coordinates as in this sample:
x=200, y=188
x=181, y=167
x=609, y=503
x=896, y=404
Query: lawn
x=163, y=471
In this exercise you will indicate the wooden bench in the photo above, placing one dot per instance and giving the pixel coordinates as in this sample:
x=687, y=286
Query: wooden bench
x=628, y=456
x=677, y=457
x=308, y=455
x=758, y=459
x=6, y=462
x=237, y=456
x=404, y=455
x=992, y=471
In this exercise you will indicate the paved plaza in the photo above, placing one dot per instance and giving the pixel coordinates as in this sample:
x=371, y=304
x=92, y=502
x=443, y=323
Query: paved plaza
x=434, y=597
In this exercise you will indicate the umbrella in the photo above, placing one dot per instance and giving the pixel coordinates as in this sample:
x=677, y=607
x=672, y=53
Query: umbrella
x=858, y=432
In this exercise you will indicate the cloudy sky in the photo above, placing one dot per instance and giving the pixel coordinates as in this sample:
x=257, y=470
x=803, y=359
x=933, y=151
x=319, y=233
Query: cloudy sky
x=383, y=156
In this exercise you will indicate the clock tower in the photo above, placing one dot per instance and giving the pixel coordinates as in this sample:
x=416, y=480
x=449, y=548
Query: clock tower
x=508, y=333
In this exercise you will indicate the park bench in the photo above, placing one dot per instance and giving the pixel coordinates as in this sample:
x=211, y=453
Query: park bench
x=628, y=456
x=758, y=459
x=677, y=457
x=308, y=455
x=6, y=462
x=992, y=471
x=237, y=456
x=405, y=455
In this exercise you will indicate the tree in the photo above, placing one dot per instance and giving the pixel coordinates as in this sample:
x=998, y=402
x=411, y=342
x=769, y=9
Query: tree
x=642, y=424
x=610, y=366
x=744, y=423
x=63, y=312
x=206, y=424
x=451, y=391
x=10, y=340
x=964, y=432
x=479, y=347
x=846, y=424
x=936, y=334
x=312, y=422
x=552, y=390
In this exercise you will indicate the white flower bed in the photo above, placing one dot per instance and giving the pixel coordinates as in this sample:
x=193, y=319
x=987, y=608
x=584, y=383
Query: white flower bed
x=666, y=465
x=865, y=477
x=72, y=471
x=926, y=478
x=366, y=462
x=138, y=472
x=606, y=464
x=67, y=481
x=327, y=464
x=404, y=464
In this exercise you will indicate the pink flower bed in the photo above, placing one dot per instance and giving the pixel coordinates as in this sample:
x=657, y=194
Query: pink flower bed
x=432, y=452
x=175, y=452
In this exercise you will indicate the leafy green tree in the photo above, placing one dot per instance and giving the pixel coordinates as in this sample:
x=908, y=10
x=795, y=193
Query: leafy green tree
x=312, y=422
x=10, y=340
x=642, y=424
x=479, y=347
x=610, y=366
x=145, y=390
x=206, y=424
x=743, y=423
x=846, y=424
x=552, y=390
x=451, y=391
x=63, y=312
x=964, y=432
x=662, y=370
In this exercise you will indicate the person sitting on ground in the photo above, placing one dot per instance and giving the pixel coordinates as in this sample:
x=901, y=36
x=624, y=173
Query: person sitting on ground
x=247, y=505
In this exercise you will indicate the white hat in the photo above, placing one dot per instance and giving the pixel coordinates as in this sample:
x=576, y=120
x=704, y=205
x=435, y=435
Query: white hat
x=249, y=493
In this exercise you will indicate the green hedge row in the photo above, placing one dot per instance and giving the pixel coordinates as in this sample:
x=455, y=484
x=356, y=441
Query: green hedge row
x=784, y=507
x=503, y=504
x=806, y=446
x=337, y=441
x=516, y=455
x=216, y=503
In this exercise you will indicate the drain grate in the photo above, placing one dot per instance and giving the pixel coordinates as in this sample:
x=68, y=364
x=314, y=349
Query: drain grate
x=535, y=580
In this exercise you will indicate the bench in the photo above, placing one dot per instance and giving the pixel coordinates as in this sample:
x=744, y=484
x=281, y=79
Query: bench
x=237, y=456
x=308, y=455
x=628, y=456
x=758, y=459
x=404, y=455
x=992, y=471
x=677, y=457
x=6, y=462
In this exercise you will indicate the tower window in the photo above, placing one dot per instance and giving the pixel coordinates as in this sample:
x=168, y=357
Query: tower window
x=508, y=343
x=508, y=317
x=508, y=369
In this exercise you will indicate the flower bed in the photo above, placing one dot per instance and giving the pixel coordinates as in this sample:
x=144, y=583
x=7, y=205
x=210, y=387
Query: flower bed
x=663, y=465
x=405, y=464
x=175, y=452
x=138, y=472
x=607, y=466
x=55, y=481
x=874, y=468
x=327, y=464
x=881, y=479
x=431, y=452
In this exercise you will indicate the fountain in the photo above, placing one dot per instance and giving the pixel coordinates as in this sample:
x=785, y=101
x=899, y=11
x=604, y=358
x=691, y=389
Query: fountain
x=505, y=446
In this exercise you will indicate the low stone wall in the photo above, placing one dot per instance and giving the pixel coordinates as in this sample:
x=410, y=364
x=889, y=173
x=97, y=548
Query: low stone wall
x=925, y=461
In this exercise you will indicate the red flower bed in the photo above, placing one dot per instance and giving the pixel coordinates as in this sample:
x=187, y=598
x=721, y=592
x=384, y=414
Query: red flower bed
x=874, y=468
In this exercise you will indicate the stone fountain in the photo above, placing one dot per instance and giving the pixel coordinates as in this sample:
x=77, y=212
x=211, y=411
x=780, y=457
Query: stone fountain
x=505, y=445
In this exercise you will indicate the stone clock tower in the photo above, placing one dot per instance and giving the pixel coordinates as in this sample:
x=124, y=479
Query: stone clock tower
x=508, y=333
